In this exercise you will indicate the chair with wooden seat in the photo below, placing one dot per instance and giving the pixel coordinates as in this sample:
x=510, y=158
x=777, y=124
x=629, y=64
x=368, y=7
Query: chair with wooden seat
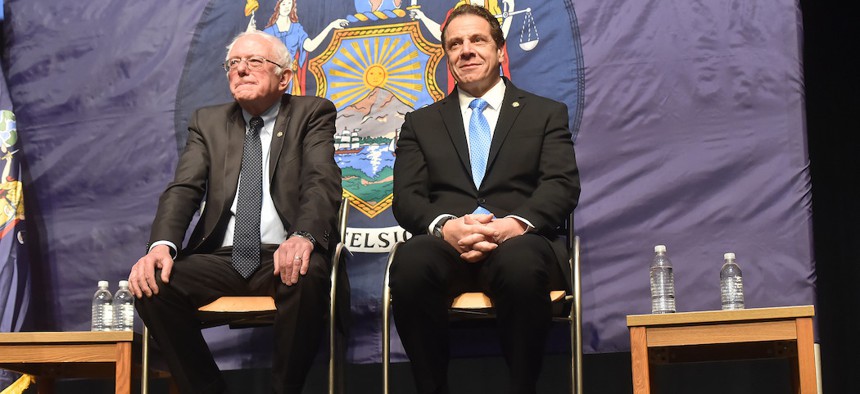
x=255, y=311
x=477, y=304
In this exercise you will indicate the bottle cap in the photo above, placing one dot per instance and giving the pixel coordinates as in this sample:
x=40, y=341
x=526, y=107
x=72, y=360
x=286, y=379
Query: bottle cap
x=103, y=283
x=660, y=249
x=729, y=256
x=123, y=283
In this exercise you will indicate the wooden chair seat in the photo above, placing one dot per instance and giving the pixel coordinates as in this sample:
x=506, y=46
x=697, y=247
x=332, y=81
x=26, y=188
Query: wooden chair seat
x=478, y=300
x=240, y=304
x=238, y=312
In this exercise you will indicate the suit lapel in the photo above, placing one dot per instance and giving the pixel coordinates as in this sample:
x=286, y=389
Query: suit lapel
x=453, y=119
x=233, y=159
x=508, y=113
x=278, y=135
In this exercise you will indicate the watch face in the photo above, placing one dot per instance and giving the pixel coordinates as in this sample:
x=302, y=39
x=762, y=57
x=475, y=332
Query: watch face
x=437, y=230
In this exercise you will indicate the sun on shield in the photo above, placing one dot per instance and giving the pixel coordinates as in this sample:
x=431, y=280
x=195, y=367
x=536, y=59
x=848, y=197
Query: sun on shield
x=374, y=75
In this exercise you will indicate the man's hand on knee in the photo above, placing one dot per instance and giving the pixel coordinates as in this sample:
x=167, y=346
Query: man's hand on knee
x=141, y=280
x=292, y=259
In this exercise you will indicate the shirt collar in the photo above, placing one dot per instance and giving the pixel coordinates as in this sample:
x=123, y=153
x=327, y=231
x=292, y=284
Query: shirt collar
x=268, y=116
x=493, y=97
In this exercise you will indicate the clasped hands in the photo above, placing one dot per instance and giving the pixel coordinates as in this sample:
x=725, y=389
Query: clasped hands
x=475, y=235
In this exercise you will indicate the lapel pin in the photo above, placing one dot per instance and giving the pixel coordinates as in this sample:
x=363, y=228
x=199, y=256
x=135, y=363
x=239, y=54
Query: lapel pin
x=515, y=104
x=280, y=134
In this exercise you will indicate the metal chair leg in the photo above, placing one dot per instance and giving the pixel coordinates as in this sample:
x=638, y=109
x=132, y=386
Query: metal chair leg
x=386, y=340
x=332, y=324
x=386, y=323
x=144, y=354
x=333, y=357
x=576, y=323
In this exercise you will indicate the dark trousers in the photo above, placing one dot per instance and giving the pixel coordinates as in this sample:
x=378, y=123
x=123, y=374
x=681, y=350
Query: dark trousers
x=199, y=279
x=427, y=274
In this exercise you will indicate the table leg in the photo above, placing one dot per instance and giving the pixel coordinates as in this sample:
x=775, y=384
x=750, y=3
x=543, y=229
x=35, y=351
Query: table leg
x=806, y=356
x=639, y=358
x=123, y=368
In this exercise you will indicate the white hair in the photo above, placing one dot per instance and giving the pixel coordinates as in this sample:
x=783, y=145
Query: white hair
x=279, y=50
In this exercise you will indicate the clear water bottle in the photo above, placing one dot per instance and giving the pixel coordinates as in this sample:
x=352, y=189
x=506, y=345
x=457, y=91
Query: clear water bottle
x=102, y=308
x=731, y=284
x=123, y=308
x=662, y=282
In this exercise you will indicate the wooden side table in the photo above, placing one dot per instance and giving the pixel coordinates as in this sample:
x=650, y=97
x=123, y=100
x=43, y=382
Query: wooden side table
x=48, y=355
x=783, y=332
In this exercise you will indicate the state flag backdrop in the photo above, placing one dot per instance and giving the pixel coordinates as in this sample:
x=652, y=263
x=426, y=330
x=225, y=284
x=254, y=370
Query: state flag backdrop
x=687, y=120
x=15, y=285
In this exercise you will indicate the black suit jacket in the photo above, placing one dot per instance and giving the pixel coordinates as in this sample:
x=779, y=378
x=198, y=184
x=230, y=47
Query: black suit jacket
x=305, y=180
x=531, y=170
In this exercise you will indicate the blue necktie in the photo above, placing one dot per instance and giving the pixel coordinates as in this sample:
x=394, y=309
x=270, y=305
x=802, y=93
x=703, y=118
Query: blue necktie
x=479, y=144
x=246, y=234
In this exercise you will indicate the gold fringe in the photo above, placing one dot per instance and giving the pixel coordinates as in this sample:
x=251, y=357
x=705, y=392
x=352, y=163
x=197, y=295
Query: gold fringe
x=20, y=385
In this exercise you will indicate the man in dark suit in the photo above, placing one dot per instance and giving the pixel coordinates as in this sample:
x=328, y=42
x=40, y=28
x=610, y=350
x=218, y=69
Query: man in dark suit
x=265, y=167
x=484, y=191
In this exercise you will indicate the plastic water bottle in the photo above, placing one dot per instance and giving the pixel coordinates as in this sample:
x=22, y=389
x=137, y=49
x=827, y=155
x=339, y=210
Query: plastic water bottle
x=123, y=308
x=102, y=308
x=731, y=284
x=662, y=282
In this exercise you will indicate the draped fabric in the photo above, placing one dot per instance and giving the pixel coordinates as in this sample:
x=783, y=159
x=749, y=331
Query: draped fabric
x=15, y=286
x=687, y=119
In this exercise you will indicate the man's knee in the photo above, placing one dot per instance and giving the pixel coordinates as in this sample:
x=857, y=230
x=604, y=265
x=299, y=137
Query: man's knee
x=317, y=278
x=521, y=263
x=417, y=262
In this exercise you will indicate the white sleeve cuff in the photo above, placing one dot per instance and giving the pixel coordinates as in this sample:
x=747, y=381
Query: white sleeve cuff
x=438, y=218
x=529, y=226
x=169, y=244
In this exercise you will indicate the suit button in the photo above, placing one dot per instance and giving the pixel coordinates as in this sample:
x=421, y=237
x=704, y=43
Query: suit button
x=482, y=201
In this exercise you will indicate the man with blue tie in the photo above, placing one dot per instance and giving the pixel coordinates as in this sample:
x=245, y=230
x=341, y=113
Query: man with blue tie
x=483, y=178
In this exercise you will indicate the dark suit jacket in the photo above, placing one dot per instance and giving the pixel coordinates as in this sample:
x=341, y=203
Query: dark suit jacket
x=531, y=169
x=305, y=180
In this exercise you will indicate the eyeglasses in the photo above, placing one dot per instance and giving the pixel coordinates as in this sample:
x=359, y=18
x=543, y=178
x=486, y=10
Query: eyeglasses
x=253, y=63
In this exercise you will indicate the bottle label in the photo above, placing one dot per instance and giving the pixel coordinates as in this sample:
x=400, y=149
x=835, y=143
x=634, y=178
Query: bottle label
x=662, y=291
x=732, y=293
x=107, y=316
x=125, y=317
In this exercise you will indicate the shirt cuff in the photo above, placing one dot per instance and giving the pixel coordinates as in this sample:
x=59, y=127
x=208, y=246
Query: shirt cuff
x=169, y=244
x=438, y=218
x=529, y=226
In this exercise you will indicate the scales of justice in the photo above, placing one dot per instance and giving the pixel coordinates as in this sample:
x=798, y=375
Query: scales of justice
x=529, y=37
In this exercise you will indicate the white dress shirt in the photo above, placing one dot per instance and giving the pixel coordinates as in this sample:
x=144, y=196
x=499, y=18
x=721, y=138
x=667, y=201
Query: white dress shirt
x=271, y=229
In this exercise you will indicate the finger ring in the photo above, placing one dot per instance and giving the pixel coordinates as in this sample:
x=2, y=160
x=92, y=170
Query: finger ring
x=297, y=257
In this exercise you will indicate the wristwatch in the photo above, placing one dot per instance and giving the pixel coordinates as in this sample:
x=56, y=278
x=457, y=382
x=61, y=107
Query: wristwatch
x=437, y=229
x=306, y=235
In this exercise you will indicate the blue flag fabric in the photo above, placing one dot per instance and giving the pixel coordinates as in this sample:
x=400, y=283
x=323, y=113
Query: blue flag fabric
x=687, y=120
x=15, y=285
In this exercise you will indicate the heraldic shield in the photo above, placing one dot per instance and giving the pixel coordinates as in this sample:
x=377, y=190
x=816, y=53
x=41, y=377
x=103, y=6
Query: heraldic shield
x=374, y=75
